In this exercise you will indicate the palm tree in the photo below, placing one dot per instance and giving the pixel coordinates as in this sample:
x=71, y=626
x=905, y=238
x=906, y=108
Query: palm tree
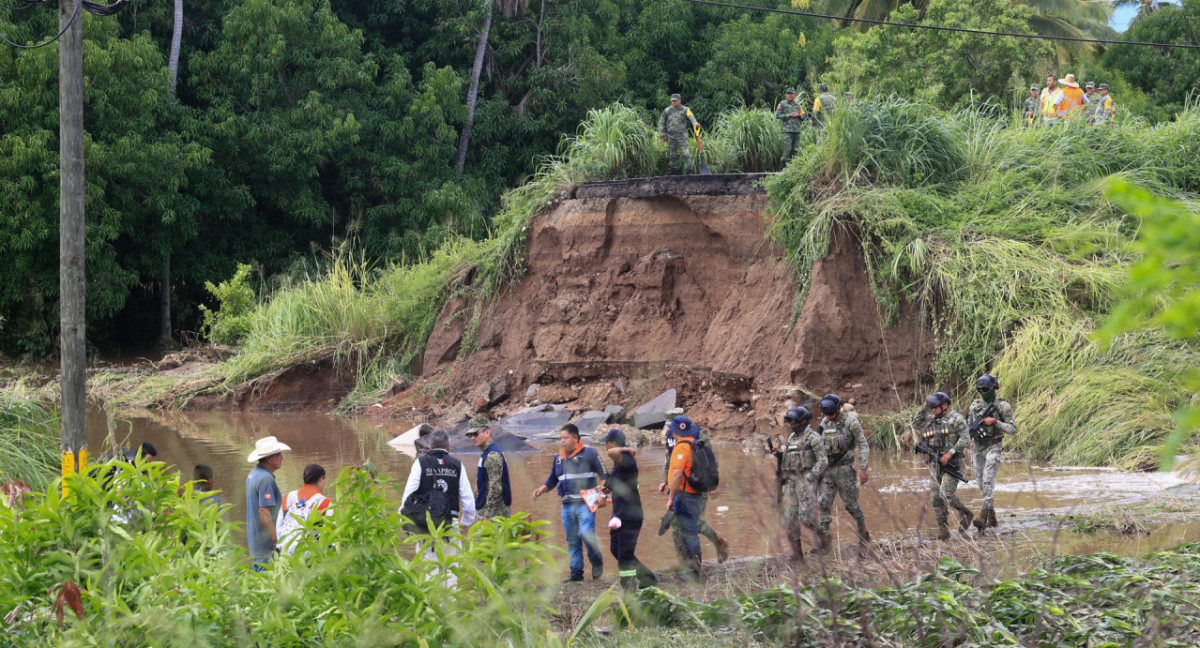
x=509, y=8
x=164, y=299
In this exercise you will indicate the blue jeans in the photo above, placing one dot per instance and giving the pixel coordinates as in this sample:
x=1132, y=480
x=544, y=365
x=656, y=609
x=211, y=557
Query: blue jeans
x=687, y=516
x=580, y=525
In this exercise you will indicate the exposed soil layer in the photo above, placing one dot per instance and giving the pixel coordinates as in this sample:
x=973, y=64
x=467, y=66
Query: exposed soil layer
x=626, y=296
x=316, y=386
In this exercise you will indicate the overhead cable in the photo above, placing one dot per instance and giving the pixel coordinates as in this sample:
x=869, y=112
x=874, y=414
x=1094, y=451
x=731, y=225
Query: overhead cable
x=94, y=8
x=941, y=28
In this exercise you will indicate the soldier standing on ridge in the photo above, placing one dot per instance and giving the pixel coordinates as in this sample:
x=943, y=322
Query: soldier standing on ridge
x=673, y=126
x=823, y=107
x=989, y=442
x=804, y=460
x=944, y=431
x=843, y=438
x=792, y=116
x=1031, y=105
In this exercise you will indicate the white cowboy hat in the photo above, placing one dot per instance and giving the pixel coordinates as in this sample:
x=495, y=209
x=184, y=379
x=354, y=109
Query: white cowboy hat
x=266, y=447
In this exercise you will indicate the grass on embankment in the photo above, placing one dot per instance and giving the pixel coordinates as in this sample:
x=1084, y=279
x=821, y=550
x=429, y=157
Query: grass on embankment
x=28, y=443
x=1001, y=237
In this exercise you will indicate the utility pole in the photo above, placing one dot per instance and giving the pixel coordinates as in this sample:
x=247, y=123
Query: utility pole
x=72, y=332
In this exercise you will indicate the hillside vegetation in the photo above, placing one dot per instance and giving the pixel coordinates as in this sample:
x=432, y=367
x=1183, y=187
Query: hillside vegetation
x=999, y=234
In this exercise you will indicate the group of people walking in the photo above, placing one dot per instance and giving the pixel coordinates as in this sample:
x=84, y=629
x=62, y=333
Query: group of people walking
x=825, y=456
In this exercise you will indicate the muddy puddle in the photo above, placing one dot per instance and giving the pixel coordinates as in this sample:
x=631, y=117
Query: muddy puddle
x=1029, y=496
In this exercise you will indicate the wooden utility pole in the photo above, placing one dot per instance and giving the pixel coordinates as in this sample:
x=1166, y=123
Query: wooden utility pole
x=71, y=239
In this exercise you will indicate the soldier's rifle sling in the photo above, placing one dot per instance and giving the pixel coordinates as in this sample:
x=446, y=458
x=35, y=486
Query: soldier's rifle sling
x=937, y=461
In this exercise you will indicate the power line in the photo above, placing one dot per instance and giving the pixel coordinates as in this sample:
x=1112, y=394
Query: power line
x=940, y=28
x=91, y=7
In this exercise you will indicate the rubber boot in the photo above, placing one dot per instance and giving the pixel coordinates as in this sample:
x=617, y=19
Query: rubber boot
x=722, y=550
x=965, y=517
x=824, y=543
x=943, y=531
x=797, y=548
x=991, y=521
x=695, y=568
x=981, y=522
x=864, y=536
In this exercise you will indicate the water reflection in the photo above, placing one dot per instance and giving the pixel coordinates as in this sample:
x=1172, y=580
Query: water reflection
x=895, y=500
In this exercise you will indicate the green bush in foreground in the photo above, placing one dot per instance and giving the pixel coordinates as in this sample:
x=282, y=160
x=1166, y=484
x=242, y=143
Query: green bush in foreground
x=157, y=566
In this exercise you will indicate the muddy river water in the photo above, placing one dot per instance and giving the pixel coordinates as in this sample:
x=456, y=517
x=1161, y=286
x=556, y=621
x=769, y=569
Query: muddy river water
x=896, y=499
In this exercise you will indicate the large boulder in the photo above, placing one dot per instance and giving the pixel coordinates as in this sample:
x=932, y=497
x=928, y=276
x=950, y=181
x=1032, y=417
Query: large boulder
x=654, y=411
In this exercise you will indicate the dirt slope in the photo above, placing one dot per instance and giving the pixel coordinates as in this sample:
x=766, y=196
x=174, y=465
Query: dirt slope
x=633, y=289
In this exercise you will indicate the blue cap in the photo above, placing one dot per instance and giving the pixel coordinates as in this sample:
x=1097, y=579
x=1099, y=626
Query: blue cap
x=683, y=426
x=615, y=436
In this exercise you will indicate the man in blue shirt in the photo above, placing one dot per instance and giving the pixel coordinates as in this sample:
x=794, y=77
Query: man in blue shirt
x=576, y=468
x=263, y=500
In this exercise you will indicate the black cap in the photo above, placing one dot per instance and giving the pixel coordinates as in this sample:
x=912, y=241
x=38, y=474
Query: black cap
x=615, y=436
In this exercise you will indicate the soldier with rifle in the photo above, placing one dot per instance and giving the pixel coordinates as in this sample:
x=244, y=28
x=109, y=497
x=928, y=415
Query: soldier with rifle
x=942, y=436
x=991, y=420
x=802, y=462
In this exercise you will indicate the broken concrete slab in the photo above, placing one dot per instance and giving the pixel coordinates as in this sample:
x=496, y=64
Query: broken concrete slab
x=654, y=411
x=535, y=425
x=616, y=413
x=407, y=442
x=590, y=421
x=460, y=444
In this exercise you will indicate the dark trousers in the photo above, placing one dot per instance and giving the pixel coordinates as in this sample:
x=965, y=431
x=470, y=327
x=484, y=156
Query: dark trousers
x=623, y=544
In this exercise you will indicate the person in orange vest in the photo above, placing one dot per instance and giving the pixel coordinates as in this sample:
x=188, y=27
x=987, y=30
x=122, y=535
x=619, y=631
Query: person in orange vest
x=1072, y=96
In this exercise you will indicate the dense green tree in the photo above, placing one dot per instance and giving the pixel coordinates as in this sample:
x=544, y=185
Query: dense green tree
x=1168, y=76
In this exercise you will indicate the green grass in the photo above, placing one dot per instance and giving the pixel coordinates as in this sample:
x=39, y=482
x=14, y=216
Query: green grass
x=1002, y=240
x=29, y=450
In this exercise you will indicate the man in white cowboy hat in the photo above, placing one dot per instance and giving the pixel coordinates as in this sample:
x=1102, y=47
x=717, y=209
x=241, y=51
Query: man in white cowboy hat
x=263, y=499
x=1072, y=94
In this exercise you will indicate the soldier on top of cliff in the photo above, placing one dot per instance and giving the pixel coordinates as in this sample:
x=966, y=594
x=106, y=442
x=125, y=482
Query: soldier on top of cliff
x=673, y=126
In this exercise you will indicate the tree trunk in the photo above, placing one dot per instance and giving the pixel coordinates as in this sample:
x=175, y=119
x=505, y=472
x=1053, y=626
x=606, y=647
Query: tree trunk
x=176, y=39
x=164, y=297
x=472, y=95
x=72, y=332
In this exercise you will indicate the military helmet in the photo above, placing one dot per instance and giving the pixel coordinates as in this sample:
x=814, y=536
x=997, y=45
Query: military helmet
x=791, y=91
x=937, y=399
x=1103, y=86
x=797, y=416
x=676, y=97
x=1035, y=87
x=830, y=404
x=987, y=382
x=823, y=87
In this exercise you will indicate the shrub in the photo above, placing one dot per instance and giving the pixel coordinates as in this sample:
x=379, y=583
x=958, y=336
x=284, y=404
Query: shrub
x=231, y=321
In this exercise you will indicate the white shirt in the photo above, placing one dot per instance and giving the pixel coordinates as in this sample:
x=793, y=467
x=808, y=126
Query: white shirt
x=466, y=496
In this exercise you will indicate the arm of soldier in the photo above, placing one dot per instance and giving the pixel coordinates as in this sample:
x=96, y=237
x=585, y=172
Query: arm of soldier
x=964, y=436
x=864, y=451
x=1006, y=422
x=662, y=486
x=662, y=124
x=495, y=475
x=818, y=449
x=779, y=112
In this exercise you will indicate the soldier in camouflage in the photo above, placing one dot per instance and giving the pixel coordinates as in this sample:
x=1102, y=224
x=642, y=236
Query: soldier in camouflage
x=792, y=116
x=804, y=461
x=1104, y=109
x=944, y=431
x=673, y=126
x=721, y=544
x=1032, y=104
x=491, y=477
x=989, y=442
x=823, y=108
x=843, y=439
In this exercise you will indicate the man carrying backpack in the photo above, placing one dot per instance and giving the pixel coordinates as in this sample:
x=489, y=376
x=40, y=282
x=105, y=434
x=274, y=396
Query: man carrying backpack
x=438, y=491
x=706, y=530
x=692, y=472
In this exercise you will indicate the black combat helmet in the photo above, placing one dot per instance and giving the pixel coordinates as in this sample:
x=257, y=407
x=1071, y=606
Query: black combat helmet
x=937, y=399
x=987, y=382
x=830, y=404
x=797, y=416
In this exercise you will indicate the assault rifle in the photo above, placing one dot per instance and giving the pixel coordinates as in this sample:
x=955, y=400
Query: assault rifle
x=778, y=468
x=937, y=460
x=976, y=428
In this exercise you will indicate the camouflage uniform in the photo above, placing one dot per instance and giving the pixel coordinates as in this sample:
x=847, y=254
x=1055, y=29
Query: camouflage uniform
x=673, y=124
x=1032, y=106
x=1104, y=109
x=842, y=437
x=705, y=530
x=823, y=108
x=943, y=434
x=988, y=450
x=804, y=460
x=791, y=126
x=494, y=505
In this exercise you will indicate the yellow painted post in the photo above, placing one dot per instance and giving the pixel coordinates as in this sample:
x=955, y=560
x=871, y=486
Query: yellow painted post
x=73, y=464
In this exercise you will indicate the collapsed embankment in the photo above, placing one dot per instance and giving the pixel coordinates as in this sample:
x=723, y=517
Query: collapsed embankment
x=633, y=287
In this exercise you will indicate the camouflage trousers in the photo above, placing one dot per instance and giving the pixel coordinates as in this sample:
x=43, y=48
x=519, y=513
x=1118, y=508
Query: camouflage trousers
x=705, y=530
x=791, y=143
x=798, y=501
x=944, y=490
x=987, y=464
x=840, y=480
x=679, y=152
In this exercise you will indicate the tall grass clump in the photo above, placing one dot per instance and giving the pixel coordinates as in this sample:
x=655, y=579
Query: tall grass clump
x=155, y=565
x=28, y=443
x=1000, y=239
x=747, y=140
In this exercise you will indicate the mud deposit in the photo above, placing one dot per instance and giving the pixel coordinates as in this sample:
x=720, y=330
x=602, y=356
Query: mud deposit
x=896, y=499
x=624, y=297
